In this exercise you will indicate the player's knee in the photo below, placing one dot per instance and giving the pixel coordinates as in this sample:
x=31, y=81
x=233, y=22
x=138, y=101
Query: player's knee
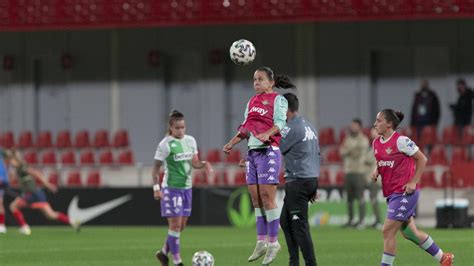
x=387, y=232
x=13, y=208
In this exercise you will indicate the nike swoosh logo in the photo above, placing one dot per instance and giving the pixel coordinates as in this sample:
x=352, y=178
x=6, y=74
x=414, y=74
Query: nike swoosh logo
x=86, y=214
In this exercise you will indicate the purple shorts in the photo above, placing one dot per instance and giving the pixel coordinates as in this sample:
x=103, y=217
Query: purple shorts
x=176, y=202
x=263, y=166
x=401, y=207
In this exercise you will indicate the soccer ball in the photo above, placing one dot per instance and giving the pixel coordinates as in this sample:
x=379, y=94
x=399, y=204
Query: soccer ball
x=203, y=258
x=242, y=52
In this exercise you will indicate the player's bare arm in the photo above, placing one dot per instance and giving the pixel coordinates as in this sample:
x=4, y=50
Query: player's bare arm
x=156, y=179
x=198, y=164
x=234, y=141
x=39, y=176
x=420, y=163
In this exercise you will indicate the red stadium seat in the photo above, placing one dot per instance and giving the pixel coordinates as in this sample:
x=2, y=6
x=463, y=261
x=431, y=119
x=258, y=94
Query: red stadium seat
x=428, y=179
x=121, y=139
x=366, y=131
x=82, y=139
x=213, y=155
x=93, y=179
x=239, y=178
x=429, y=136
x=468, y=135
x=324, y=180
x=219, y=178
x=233, y=157
x=459, y=155
x=53, y=178
x=68, y=158
x=342, y=134
x=450, y=135
x=462, y=174
x=126, y=157
x=7, y=140
x=31, y=157
x=48, y=157
x=74, y=179
x=446, y=180
x=87, y=158
x=44, y=140
x=101, y=139
x=333, y=156
x=199, y=178
x=25, y=141
x=106, y=157
x=438, y=155
x=326, y=136
x=63, y=139
x=410, y=132
x=340, y=178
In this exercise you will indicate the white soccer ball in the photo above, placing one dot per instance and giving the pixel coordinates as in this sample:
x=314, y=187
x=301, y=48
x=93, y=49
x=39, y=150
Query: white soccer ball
x=203, y=258
x=242, y=52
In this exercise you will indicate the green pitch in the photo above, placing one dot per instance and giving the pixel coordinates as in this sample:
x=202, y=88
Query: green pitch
x=230, y=246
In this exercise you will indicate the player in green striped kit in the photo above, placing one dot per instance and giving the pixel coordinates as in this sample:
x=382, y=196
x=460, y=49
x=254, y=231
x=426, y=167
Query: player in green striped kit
x=177, y=152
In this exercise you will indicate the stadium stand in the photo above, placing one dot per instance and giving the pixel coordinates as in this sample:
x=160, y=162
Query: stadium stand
x=63, y=139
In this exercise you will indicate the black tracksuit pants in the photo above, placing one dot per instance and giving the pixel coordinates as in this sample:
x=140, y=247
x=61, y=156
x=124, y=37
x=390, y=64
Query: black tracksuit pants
x=294, y=220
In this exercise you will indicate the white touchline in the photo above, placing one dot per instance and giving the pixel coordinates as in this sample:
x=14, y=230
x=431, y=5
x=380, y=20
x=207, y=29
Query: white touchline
x=86, y=214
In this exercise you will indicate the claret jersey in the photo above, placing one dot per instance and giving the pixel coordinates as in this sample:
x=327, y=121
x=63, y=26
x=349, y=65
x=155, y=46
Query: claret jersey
x=394, y=162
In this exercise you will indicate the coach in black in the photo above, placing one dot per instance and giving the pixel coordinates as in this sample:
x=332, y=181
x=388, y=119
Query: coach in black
x=300, y=149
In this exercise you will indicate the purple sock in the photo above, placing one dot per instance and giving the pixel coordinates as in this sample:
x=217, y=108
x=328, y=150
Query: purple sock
x=273, y=224
x=430, y=246
x=173, y=244
x=261, y=224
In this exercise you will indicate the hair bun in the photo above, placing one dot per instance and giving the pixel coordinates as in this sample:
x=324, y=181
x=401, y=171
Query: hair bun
x=400, y=115
x=176, y=113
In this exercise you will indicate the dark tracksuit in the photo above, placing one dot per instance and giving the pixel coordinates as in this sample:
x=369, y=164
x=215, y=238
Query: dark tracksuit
x=300, y=149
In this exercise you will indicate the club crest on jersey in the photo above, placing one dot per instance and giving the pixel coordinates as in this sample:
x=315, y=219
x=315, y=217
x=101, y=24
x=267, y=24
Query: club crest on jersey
x=265, y=102
x=388, y=150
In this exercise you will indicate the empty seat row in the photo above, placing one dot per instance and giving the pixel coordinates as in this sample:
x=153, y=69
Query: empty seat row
x=73, y=179
x=438, y=155
x=217, y=156
x=64, y=139
x=86, y=157
x=450, y=135
x=459, y=175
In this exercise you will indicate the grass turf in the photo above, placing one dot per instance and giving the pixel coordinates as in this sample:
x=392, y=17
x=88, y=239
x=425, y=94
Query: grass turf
x=230, y=246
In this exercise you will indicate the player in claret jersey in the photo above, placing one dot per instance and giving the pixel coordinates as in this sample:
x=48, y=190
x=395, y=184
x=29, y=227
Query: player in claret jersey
x=177, y=152
x=265, y=116
x=400, y=163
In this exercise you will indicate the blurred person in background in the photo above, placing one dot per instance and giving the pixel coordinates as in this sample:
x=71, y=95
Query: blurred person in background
x=265, y=117
x=425, y=110
x=300, y=148
x=353, y=150
x=400, y=164
x=462, y=109
x=3, y=186
x=374, y=187
x=178, y=154
x=32, y=196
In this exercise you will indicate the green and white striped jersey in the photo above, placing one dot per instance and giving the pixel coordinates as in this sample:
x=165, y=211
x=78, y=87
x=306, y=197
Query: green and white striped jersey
x=176, y=155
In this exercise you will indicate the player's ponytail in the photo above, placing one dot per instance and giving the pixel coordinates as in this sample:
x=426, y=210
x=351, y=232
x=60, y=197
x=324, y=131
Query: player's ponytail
x=283, y=82
x=395, y=117
x=174, y=116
